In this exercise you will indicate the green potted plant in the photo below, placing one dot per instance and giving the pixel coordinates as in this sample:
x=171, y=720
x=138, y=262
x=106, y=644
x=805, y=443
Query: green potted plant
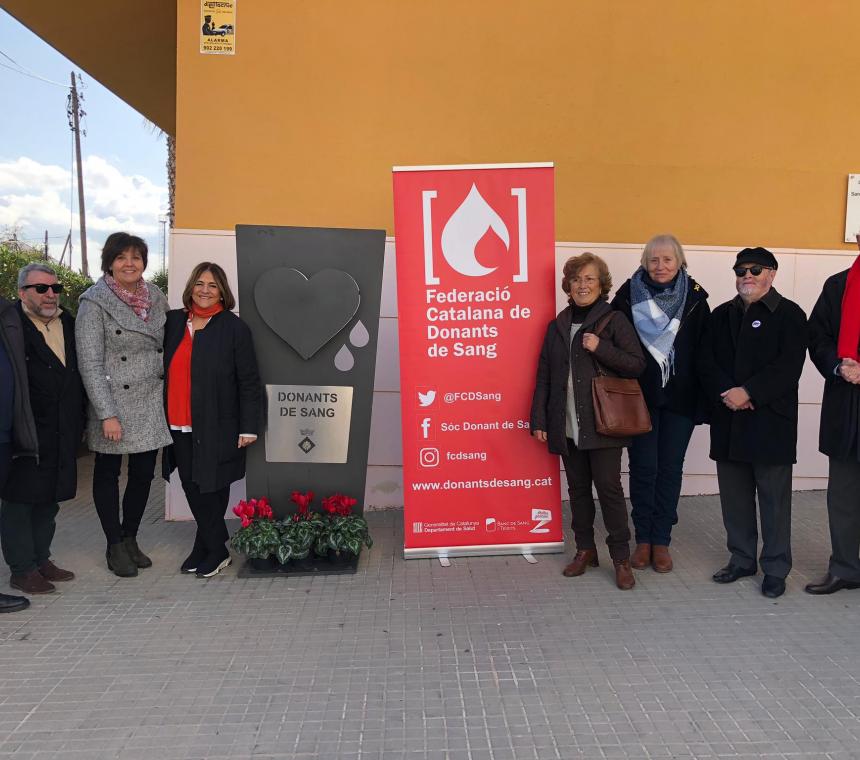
x=334, y=535
x=258, y=538
x=347, y=533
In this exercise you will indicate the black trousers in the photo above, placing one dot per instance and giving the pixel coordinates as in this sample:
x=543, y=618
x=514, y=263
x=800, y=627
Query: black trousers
x=26, y=532
x=603, y=468
x=208, y=508
x=5, y=463
x=843, y=514
x=739, y=483
x=141, y=469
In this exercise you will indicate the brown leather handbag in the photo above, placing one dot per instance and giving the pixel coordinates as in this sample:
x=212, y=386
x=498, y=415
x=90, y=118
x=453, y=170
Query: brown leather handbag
x=619, y=406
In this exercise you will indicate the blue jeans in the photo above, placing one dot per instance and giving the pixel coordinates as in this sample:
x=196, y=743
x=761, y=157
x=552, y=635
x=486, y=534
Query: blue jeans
x=656, y=470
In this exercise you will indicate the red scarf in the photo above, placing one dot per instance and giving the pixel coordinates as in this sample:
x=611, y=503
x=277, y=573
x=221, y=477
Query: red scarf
x=848, y=346
x=179, y=372
x=208, y=312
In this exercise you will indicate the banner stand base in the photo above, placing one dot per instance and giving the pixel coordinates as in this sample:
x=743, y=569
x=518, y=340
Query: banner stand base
x=484, y=550
x=530, y=558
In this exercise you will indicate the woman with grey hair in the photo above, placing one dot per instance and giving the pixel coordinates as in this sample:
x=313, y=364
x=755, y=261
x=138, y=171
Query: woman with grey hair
x=668, y=309
x=120, y=332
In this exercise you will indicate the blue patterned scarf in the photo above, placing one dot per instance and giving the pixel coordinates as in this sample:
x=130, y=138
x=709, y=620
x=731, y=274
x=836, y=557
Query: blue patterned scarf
x=657, y=317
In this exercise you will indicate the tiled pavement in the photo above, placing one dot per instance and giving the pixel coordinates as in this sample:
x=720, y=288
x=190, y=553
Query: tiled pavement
x=491, y=658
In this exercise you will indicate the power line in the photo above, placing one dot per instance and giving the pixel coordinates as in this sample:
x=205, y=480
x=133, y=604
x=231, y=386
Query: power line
x=28, y=73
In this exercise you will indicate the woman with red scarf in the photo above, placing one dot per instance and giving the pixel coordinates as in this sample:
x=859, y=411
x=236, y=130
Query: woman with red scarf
x=834, y=347
x=212, y=397
x=119, y=332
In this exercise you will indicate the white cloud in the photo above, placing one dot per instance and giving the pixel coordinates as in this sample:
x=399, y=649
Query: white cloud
x=25, y=173
x=36, y=197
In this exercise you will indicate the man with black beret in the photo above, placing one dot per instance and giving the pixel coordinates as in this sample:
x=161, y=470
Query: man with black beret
x=834, y=339
x=752, y=355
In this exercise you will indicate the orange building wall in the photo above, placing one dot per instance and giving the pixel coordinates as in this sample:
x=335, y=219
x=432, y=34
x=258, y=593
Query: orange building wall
x=727, y=123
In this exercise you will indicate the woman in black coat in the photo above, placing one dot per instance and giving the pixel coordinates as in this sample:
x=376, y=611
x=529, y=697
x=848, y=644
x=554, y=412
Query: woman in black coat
x=562, y=412
x=212, y=398
x=668, y=309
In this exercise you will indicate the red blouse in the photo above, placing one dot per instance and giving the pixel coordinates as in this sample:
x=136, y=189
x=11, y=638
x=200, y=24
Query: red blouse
x=179, y=373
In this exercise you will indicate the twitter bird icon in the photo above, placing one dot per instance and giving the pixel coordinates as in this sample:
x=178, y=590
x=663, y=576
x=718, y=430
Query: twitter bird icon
x=426, y=399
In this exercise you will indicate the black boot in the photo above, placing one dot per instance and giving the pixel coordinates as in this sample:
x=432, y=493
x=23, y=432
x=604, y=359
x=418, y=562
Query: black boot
x=120, y=561
x=137, y=556
x=198, y=554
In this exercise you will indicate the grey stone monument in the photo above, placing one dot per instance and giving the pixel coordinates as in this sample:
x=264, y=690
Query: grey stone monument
x=311, y=298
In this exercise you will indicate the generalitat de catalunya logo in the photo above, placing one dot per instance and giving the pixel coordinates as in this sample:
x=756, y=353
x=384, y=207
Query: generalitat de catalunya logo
x=465, y=228
x=541, y=517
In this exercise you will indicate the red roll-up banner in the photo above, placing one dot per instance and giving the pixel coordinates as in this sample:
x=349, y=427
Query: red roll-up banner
x=475, y=292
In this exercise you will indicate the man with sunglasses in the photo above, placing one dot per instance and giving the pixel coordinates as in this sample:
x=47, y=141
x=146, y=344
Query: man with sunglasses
x=834, y=339
x=36, y=483
x=752, y=355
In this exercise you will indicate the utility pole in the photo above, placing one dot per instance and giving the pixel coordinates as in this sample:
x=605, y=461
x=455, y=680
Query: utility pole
x=67, y=244
x=75, y=113
x=46, y=245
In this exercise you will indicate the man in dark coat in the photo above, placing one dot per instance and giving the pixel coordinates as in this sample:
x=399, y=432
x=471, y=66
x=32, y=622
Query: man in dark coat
x=37, y=483
x=834, y=339
x=17, y=427
x=752, y=355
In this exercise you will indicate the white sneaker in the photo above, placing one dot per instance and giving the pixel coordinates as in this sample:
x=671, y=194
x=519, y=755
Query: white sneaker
x=208, y=568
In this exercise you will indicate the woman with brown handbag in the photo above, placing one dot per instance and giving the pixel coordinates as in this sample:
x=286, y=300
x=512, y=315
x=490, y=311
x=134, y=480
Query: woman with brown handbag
x=563, y=412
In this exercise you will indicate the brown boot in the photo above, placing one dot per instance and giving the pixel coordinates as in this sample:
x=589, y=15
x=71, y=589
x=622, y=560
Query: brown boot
x=662, y=560
x=584, y=558
x=623, y=574
x=31, y=583
x=641, y=557
x=50, y=572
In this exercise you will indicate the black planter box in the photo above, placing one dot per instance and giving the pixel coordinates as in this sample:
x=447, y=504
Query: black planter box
x=271, y=568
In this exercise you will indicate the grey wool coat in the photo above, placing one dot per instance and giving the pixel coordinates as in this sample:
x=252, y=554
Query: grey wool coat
x=120, y=358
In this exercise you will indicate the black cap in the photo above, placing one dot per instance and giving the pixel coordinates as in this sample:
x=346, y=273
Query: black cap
x=758, y=255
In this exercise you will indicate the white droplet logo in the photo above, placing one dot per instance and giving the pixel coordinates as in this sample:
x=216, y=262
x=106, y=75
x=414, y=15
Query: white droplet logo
x=358, y=336
x=467, y=225
x=344, y=359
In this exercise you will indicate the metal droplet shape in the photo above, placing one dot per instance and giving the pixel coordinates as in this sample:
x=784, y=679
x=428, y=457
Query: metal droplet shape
x=344, y=359
x=358, y=336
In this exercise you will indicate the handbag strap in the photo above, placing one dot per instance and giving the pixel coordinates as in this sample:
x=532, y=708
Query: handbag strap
x=598, y=328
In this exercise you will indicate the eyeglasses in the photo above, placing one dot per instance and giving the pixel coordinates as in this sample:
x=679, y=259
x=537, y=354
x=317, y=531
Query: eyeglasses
x=41, y=288
x=755, y=270
x=584, y=280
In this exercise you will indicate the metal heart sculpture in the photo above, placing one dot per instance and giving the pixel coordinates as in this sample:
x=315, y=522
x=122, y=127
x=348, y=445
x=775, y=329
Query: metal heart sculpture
x=306, y=313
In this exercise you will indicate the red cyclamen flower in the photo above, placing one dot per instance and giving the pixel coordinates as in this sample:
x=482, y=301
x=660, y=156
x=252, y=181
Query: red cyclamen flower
x=303, y=500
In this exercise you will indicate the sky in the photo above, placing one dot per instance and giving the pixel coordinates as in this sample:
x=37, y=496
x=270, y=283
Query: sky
x=125, y=177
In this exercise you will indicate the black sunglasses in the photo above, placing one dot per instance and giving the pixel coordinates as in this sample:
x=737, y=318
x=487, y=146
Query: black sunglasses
x=41, y=288
x=755, y=270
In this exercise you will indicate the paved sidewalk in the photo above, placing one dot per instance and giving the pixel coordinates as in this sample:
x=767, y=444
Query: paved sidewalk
x=489, y=659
